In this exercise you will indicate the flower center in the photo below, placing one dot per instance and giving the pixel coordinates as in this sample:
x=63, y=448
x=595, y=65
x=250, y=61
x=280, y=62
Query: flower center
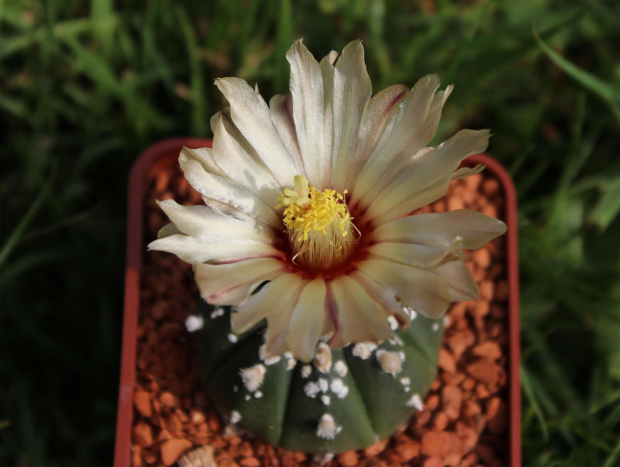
x=318, y=224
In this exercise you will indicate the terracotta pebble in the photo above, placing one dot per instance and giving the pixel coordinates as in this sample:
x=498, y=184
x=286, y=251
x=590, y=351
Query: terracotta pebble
x=172, y=449
x=142, y=401
x=462, y=423
x=348, y=458
x=435, y=443
x=451, y=398
x=143, y=434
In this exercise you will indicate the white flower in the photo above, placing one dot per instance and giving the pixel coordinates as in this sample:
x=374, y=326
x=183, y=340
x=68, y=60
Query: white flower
x=313, y=194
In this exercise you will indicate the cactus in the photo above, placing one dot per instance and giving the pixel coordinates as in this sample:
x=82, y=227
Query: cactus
x=347, y=398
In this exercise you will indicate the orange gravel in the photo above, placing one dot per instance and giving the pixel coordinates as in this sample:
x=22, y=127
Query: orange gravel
x=464, y=421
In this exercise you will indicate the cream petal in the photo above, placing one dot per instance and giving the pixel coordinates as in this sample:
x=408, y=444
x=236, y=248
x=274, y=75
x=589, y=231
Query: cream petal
x=199, y=221
x=424, y=171
x=219, y=249
x=352, y=91
x=360, y=318
x=405, y=124
x=422, y=198
x=475, y=228
x=222, y=190
x=167, y=230
x=307, y=320
x=276, y=299
x=418, y=288
x=410, y=253
x=204, y=156
x=240, y=161
x=373, y=124
x=251, y=116
x=327, y=72
x=217, y=281
x=460, y=280
x=281, y=108
x=382, y=296
x=307, y=93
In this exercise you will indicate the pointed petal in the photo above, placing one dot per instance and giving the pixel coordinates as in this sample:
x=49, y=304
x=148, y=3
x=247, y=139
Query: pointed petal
x=214, y=248
x=167, y=230
x=475, y=228
x=406, y=123
x=424, y=171
x=327, y=72
x=307, y=93
x=276, y=299
x=201, y=221
x=217, y=281
x=382, y=296
x=307, y=321
x=421, y=289
x=352, y=91
x=373, y=124
x=240, y=162
x=220, y=189
x=414, y=254
x=422, y=198
x=281, y=108
x=251, y=116
x=360, y=318
x=460, y=280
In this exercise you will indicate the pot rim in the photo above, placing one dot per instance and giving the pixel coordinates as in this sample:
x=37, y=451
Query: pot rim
x=151, y=159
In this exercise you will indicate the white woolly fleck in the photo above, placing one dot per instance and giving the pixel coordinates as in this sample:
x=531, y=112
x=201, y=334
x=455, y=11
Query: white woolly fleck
x=306, y=371
x=248, y=397
x=217, y=312
x=325, y=399
x=235, y=388
x=393, y=323
x=291, y=363
x=416, y=402
x=446, y=321
x=364, y=349
x=410, y=311
x=194, y=323
x=396, y=340
x=405, y=381
x=407, y=388
x=340, y=368
x=338, y=388
x=253, y=376
x=235, y=417
x=258, y=394
x=435, y=327
x=312, y=389
x=336, y=385
x=390, y=362
x=402, y=356
x=323, y=358
x=326, y=337
x=327, y=428
x=271, y=360
x=232, y=338
x=323, y=385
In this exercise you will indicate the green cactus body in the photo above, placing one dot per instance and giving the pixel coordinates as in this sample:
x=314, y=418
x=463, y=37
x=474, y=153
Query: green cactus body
x=345, y=399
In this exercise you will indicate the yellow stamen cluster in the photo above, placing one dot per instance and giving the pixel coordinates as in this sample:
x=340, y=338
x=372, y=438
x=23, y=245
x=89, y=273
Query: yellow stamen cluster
x=318, y=224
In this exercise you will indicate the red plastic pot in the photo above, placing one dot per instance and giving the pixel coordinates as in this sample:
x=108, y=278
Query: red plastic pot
x=163, y=155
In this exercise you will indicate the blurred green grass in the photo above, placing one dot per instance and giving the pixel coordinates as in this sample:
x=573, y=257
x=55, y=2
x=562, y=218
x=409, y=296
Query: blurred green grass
x=85, y=86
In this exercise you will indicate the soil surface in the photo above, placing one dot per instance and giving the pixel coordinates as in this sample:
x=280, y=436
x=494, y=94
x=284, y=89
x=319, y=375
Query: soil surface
x=464, y=421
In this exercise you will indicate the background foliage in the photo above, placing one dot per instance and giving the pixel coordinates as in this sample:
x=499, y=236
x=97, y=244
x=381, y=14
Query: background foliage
x=85, y=86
